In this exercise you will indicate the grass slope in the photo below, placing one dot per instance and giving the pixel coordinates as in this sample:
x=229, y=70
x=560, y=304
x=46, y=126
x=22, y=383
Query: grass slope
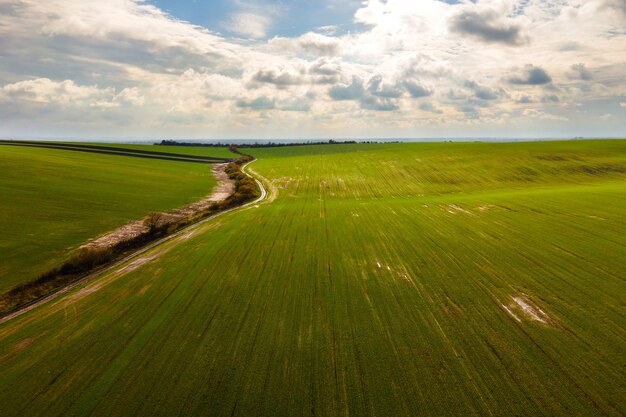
x=185, y=150
x=375, y=284
x=53, y=200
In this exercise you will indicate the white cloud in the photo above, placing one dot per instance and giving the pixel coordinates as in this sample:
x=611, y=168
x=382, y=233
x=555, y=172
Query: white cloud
x=534, y=113
x=46, y=91
x=458, y=65
x=310, y=43
x=113, y=20
x=131, y=96
x=66, y=93
x=249, y=24
x=488, y=25
x=193, y=92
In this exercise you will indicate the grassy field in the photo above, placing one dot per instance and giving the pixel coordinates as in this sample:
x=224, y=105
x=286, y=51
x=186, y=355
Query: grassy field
x=388, y=280
x=186, y=150
x=54, y=200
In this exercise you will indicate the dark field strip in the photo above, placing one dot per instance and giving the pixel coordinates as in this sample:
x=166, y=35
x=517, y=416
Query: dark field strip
x=140, y=151
x=120, y=152
x=213, y=152
x=332, y=301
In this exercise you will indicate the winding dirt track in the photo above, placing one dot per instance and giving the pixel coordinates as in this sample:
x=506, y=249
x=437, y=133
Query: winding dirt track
x=37, y=303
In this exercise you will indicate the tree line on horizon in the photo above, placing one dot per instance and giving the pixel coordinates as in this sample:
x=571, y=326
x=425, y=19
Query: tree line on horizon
x=170, y=142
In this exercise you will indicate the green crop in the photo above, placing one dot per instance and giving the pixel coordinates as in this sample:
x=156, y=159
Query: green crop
x=388, y=280
x=54, y=200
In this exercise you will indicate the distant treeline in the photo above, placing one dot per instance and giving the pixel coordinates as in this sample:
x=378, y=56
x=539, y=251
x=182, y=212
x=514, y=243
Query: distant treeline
x=266, y=145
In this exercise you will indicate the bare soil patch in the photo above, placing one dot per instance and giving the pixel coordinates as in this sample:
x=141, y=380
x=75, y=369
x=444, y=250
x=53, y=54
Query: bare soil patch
x=523, y=308
x=455, y=209
x=137, y=263
x=17, y=348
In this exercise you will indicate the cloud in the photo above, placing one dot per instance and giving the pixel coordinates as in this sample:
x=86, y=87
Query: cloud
x=118, y=41
x=377, y=96
x=325, y=71
x=68, y=63
x=581, y=72
x=378, y=104
x=321, y=71
x=429, y=107
x=550, y=98
x=46, y=91
x=279, y=78
x=487, y=26
x=310, y=43
x=470, y=111
x=263, y=103
x=532, y=76
x=325, y=67
x=193, y=92
x=294, y=105
x=416, y=90
x=570, y=46
x=132, y=96
x=455, y=95
x=353, y=91
x=484, y=93
x=615, y=5
x=538, y=114
x=378, y=88
x=524, y=99
x=259, y=103
x=65, y=102
x=249, y=24
x=116, y=21
x=328, y=29
x=319, y=45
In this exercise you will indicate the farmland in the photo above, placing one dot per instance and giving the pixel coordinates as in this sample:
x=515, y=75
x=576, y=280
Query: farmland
x=187, y=150
x=54, y=200
x=383, y=279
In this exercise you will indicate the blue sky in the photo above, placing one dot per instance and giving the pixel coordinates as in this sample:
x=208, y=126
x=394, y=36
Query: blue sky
x=296, y=16
x=148, y=69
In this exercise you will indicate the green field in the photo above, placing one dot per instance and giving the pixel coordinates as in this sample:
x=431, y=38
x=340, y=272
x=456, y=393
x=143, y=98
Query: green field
x=387, y=280
x=187, y=150
x=54, y=200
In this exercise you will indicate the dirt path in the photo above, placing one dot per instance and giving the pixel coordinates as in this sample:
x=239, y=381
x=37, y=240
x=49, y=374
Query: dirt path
x=134, y=255
x=225, y=188
x=273, y=189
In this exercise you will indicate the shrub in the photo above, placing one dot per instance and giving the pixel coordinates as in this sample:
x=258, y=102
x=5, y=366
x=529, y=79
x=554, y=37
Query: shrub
x=86, y=259
x=154, y=221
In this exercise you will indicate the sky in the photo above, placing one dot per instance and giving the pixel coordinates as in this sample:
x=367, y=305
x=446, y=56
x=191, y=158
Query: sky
x=298, y=69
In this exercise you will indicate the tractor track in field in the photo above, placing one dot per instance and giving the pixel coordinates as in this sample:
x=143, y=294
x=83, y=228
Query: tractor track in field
x=108, y=268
